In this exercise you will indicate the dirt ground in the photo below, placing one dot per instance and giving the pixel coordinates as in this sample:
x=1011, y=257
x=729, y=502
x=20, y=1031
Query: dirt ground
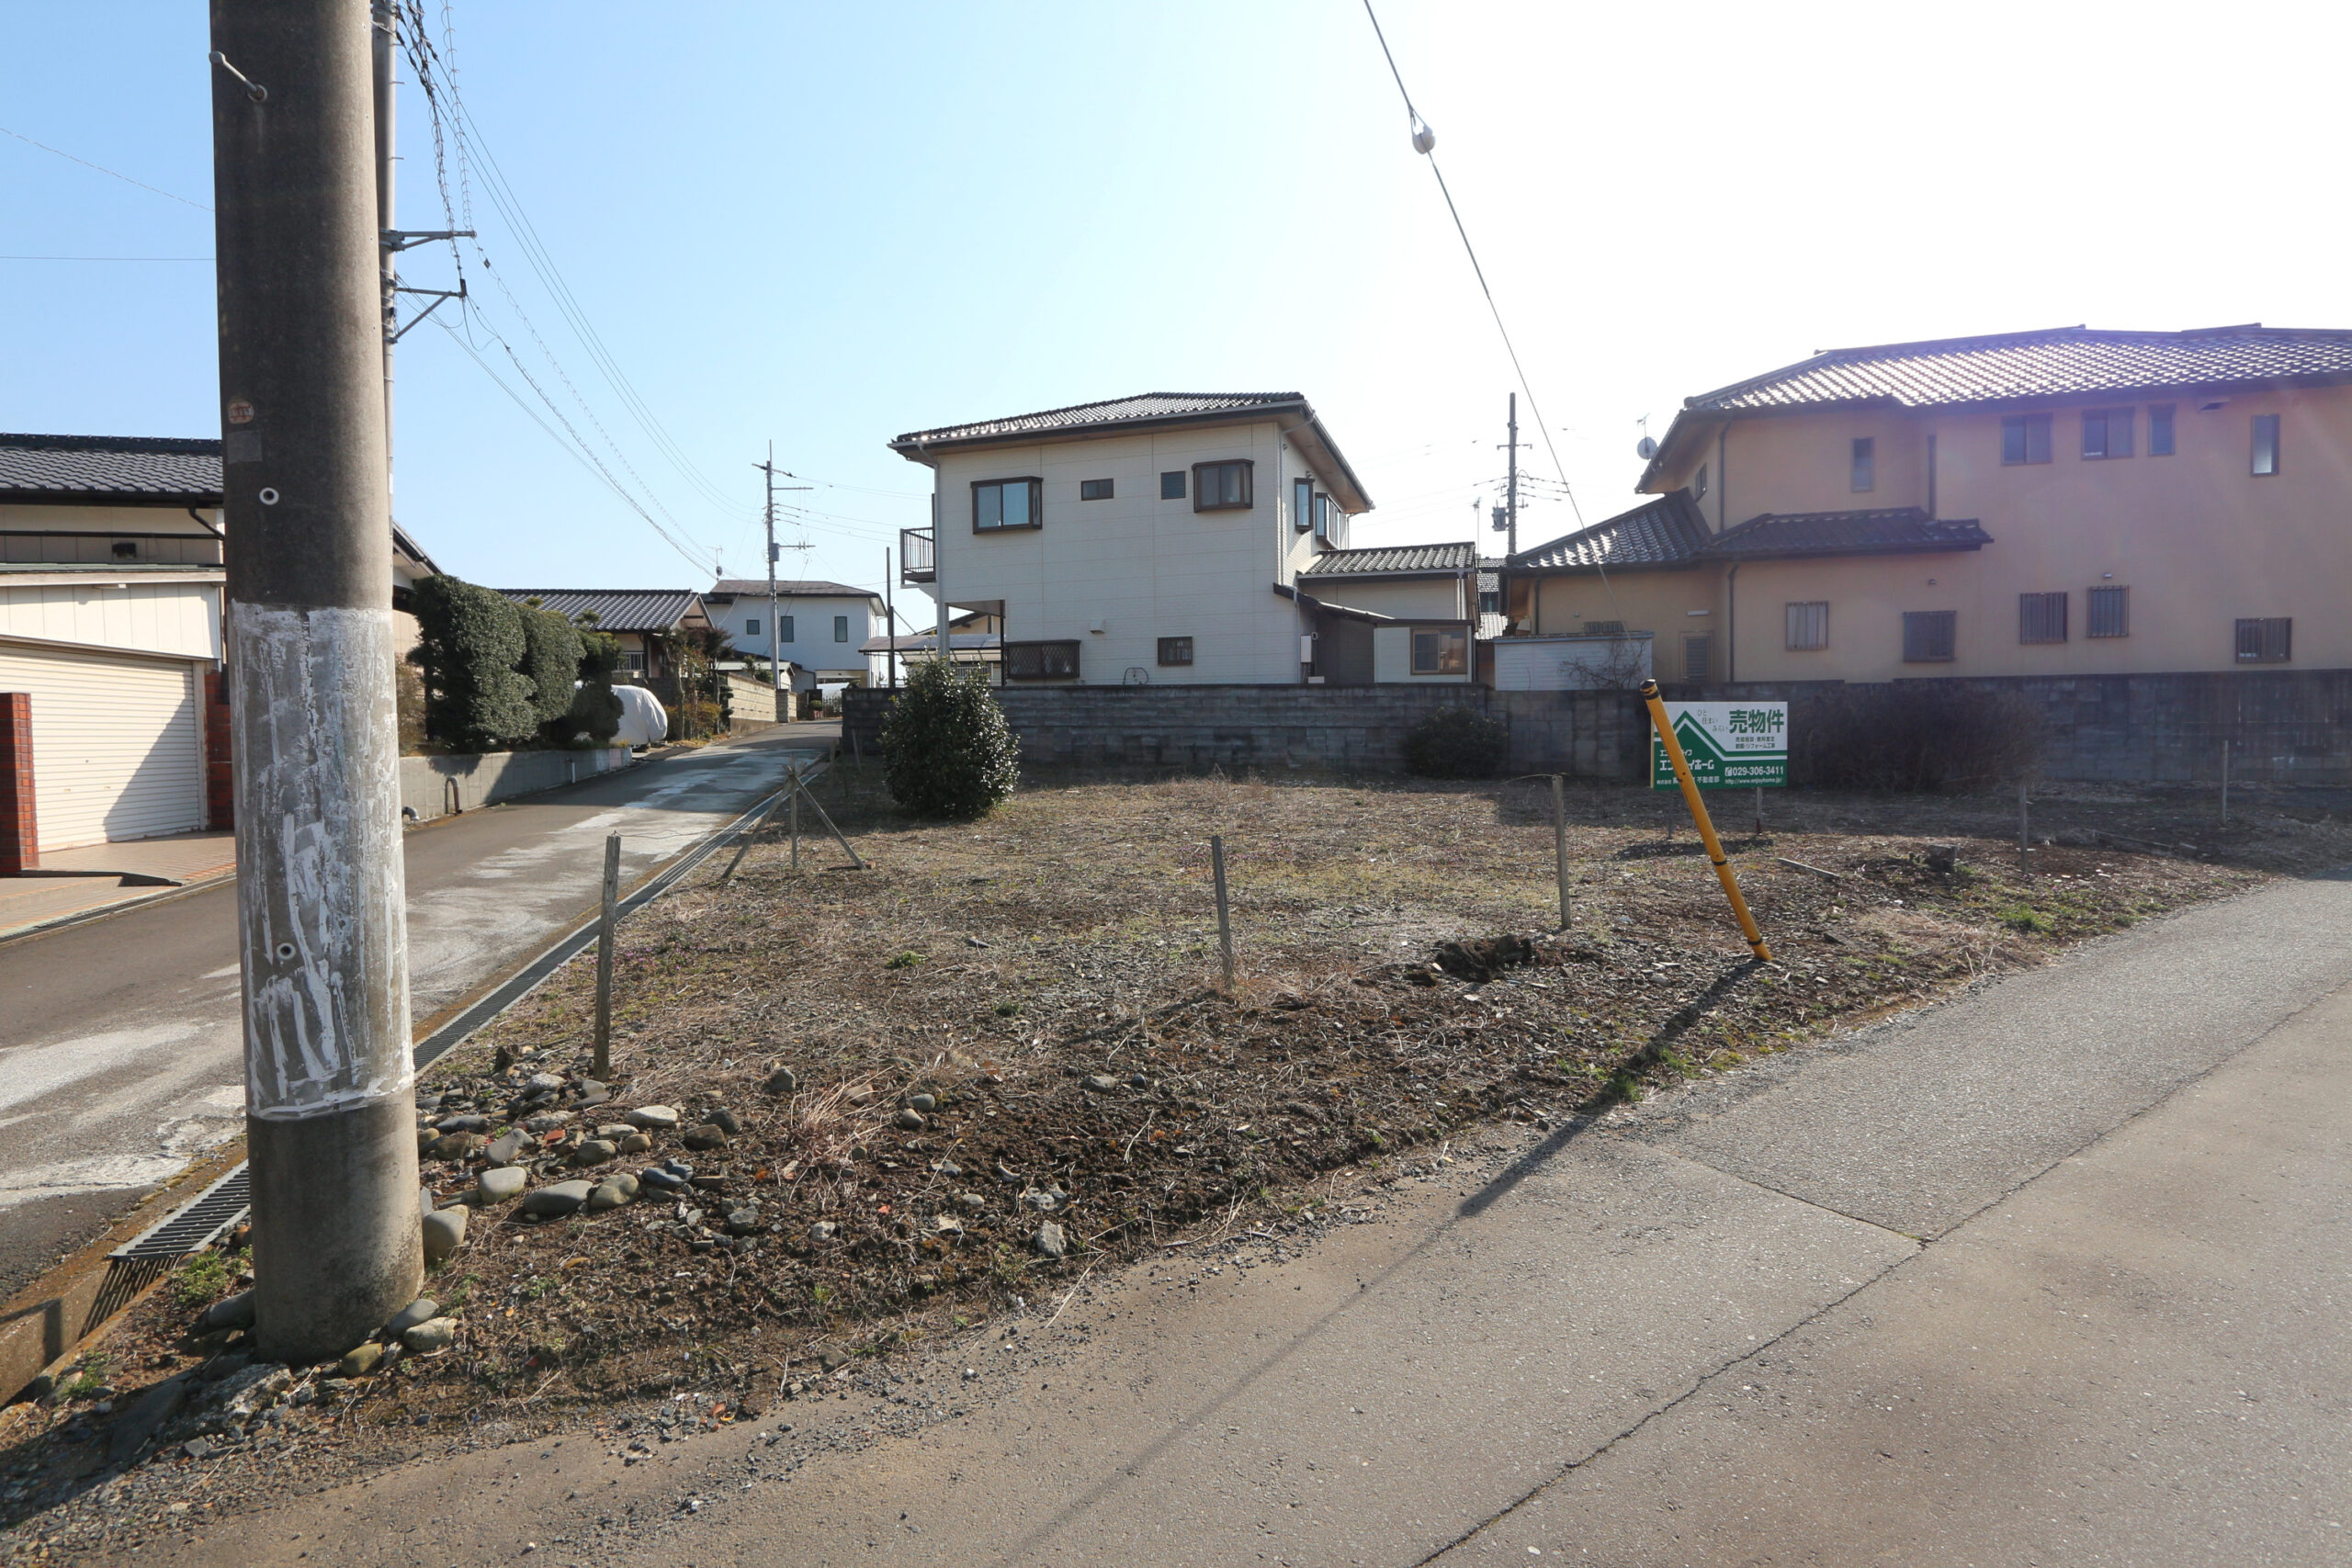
x=1011, y=1059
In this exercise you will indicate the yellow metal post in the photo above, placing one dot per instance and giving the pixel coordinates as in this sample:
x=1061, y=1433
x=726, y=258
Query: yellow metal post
x=1690, y=796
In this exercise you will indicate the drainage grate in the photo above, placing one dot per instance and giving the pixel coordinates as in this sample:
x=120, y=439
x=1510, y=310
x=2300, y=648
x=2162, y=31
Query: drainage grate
x=198, y=1225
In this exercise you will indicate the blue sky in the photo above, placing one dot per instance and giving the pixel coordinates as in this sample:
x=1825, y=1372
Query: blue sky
x=825, y=224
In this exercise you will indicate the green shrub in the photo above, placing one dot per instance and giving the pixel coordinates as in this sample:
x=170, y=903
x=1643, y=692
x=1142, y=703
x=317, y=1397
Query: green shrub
x=1456, y=743
x=1913, y=735
x=595, y=711
x=552, y=653
x=476, y=696
x=947, y=750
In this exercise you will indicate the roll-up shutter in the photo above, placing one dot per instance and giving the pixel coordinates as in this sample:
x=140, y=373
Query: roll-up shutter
x=118, y=753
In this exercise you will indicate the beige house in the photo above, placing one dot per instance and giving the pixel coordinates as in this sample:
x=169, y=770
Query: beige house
x=2067, y=502
x=1170, y=537
x=111, y=582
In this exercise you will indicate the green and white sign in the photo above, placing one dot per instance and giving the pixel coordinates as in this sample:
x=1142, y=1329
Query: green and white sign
x=1728, y=745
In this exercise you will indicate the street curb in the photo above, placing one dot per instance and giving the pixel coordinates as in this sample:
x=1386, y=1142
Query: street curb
x=137, y=901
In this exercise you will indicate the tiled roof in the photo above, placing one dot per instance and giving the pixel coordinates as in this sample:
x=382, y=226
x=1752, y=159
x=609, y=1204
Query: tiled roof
x=164, y=470
x=617, y=609
x=2051, y=363
x=1395, y=560
x=167, y=470
x=1143, y=408
x=1664, y=532
x=1887, y=531
x=757, y=588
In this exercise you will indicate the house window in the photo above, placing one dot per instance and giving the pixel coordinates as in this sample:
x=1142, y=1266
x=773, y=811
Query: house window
x=2108, y=612
x=841, y=628
x=1172, y=486
x=2160, y=430
x=1323, y=517
x=1006, y=503
x=1440, y=650
x=1222, y=487
x=783, y=629
x=2107, y=432
x=2268, y=640
x=1175, y=651
x=1094, y=490
x=2266, y=444
x=2025, y=438
x=751, y=625
x=1698, y=657
x=1927, y=635
x=1041, y=661
x=1302, y=504
x=2041, y=617
x=1699, y=485
x=1809, y=624
x=1865, y=473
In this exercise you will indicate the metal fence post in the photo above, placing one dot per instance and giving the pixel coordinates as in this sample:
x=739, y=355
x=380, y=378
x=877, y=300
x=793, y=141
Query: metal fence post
x=1560, y=846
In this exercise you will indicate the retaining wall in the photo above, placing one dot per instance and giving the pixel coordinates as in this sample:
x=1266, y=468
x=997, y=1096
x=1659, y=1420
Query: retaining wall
x=437, y=786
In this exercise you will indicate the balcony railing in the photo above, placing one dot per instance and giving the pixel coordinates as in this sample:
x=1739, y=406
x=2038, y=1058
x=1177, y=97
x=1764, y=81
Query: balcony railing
x=918, y=561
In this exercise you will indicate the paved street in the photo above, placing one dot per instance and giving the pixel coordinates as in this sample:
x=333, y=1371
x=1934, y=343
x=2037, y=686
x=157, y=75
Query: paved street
x=121, y=1058
x=2052, y=1274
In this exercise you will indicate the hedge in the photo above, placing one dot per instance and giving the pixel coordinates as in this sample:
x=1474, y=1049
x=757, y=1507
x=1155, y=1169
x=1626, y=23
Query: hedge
x=476, y=696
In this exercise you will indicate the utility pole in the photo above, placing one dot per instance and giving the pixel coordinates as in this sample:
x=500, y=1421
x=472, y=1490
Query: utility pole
x=1510, y=506
x=889, y=623
x=385, y=41
x=776, y=622
x=322, y=907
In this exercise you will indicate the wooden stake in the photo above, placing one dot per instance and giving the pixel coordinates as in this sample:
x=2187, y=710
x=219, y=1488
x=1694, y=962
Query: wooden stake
x=1223, y=916
x=2025, y=831
x=796, y=816
x=605, y=957
x=1560, y=846
x=2226, y=781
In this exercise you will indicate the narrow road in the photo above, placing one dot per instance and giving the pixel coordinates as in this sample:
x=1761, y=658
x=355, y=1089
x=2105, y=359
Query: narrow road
x=2055, y=1273
x=120, y=1059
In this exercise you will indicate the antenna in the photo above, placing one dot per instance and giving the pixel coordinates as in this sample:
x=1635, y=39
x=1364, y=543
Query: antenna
x=1645, y=448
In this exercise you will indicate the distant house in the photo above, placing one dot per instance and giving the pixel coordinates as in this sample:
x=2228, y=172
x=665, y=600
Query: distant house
x=1172, y=536
x=644, y=621
x=111, y=583
x=821, y=626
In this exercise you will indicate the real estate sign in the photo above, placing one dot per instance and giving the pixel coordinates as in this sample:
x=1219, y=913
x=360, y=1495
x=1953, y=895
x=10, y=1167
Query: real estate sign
x=1728, y=745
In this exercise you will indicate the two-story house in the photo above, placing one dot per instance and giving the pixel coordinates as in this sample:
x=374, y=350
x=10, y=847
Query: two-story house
x=111, y=577
x=1160, y=538
x=821, y=628
x=2067, y=501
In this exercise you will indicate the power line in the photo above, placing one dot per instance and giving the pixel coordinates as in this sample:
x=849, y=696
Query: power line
x=1425, y=141
x=143, y=185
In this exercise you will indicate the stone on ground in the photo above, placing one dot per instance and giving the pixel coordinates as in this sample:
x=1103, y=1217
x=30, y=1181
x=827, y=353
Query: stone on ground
x=409, y=1316
x=612, y=1193
x=561, y=1198
x=359, y=1360
x=653, y=1116
x=445, y=1232
x=434, y=1334
x=1050, y=1240
x=501, y=1183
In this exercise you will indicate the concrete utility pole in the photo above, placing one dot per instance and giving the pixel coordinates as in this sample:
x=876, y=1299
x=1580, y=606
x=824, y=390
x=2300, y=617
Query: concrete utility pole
x=385, y=39
x=1510, y=504
x=889, y=623
x=776, y=622
x=321, y=902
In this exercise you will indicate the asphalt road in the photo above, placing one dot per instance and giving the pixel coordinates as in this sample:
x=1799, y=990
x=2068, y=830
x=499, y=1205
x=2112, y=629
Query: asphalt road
x=120, y=1056
x=2050, y=1274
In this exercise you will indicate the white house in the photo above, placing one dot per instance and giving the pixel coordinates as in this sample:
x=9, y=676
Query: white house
x=821, y=628
x=1165, y=537
x=111, y=581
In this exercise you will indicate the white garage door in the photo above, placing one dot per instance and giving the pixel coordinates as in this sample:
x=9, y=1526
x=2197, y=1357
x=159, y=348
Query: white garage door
x=117, y=749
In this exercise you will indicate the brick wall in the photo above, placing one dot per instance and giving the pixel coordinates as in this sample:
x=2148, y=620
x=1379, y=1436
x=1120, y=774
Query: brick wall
x=220, y=777
x=19, y=843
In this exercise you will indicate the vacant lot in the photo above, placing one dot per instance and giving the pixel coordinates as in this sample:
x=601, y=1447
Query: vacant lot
x=1011, y=1059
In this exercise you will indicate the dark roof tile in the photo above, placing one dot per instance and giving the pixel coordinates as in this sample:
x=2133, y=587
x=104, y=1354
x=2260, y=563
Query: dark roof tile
x=2056, y=362
x=1886, y=531
x=1142, y=409
x=1666, y=532
x=96, y=469
x=1395, y=560
x=617, y=609
x=757, y=588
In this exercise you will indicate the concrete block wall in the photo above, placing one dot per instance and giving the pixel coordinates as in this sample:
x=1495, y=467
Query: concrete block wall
x=441, y=786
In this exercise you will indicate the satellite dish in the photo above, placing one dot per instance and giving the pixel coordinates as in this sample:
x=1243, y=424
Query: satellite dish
x=1423, y=137
x=1645, y=448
